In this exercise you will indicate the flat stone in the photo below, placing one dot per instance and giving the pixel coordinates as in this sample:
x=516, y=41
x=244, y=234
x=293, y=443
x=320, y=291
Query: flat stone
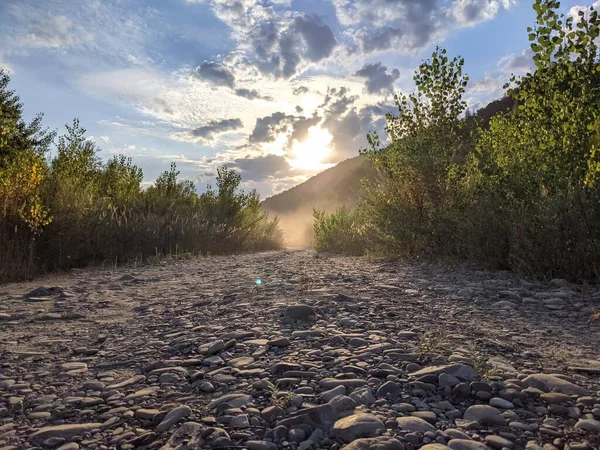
x=589, y=425
x=498, y=402
x=376, y=443
x=330, y=383
x=547, y=382
x=466, y=444
x=299, y=312
x=241, y=362
x=484, y=415
x=498, y=442
x=63, y=431
x=358, y=426
x=414, y=424
x=460, y=371
x=174, y=416
x=235, y=400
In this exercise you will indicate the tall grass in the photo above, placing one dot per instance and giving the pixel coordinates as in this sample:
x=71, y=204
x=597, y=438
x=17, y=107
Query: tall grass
x=72, y=210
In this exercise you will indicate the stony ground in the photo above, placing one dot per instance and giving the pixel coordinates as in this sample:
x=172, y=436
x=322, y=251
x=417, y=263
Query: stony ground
x=328, y=353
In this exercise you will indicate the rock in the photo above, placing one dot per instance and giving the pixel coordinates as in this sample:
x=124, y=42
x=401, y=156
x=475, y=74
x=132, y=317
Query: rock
x=234, y=400
x=376, y=443
x=414, y=424
x=435, y=447
x=216, y=347
x=174, y=416
x=363, y=396
x=69, y=446
x=261, y=445
x=464, y=444
x=501, y=403
x=299, y=312
x=589, y=425
x=547, y=382
x=389, y=389
x=272, y=413
x=322, y=416
x=279, y=342
x=241, y=362
x=484, y=414
x=63, y=431
x=504, y=304
x=498, y=442
x=330, y=383
x=342, y=404
x=328, y=395
x=460, y=371
x=185, y=434
x=556, y=398
x=358, y=426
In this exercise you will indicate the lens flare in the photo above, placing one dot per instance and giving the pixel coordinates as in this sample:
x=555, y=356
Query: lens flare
x=258, y=282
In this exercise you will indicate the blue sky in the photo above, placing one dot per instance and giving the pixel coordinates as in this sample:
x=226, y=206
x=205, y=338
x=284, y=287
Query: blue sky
x=278, y=89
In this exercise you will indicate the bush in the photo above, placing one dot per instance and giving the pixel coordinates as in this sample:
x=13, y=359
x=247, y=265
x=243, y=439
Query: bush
x=72, y=210
x=341, y=231
x=523, y=193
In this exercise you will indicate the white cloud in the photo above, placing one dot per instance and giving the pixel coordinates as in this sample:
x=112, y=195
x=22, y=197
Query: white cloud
x=55, y=32
x=468, y=13
x=517, y=63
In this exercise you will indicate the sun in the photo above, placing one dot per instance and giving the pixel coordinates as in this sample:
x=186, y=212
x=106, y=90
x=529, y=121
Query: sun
x=310, y=153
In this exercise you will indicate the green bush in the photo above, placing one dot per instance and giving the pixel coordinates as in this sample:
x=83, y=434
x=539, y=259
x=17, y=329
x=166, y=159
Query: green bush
x=72, y=209
x=521, y=193
x=341, y=231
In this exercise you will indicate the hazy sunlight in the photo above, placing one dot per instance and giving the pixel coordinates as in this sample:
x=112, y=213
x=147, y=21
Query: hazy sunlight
x=309, y=154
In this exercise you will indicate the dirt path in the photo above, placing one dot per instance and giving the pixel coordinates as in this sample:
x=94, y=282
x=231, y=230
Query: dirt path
x=129, y=355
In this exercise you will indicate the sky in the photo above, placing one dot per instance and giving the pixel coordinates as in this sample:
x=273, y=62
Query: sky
x=276, y=89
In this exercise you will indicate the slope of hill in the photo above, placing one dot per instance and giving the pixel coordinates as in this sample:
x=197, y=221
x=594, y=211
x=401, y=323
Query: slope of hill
x=335, y=187
x=339, y=185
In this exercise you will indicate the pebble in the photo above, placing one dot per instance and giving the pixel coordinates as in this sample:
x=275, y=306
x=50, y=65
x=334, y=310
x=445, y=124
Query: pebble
x=190, y=354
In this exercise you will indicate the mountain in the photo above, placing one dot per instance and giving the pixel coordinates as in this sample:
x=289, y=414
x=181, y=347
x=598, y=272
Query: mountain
x=335, y=187
x=339, y=185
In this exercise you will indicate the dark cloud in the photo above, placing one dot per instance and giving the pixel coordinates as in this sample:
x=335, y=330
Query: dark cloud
x=216, y=74
x=300, y=90
x=377, y=79
x=300, y=128
x=281, y=47
x=217, y=127
x=337, y=101
x=384, y=24
x=262, y=167
x=409, y=25
x=252, y=94
x=267, y=128
x=349, y=125
x=383, y=38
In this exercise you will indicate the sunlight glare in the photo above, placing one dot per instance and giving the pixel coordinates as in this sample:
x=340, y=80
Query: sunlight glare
x=309, y=154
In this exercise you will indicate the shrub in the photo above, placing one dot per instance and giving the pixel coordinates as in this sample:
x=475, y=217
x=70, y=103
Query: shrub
x=523, y=193
x=72, y=209
x=341, y=231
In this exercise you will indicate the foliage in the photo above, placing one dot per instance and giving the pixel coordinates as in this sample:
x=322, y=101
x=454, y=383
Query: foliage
x=341, y=231
x=72, y=209
x=520, y=191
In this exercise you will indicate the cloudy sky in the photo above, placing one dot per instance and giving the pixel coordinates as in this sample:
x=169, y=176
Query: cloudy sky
x=278, y=89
